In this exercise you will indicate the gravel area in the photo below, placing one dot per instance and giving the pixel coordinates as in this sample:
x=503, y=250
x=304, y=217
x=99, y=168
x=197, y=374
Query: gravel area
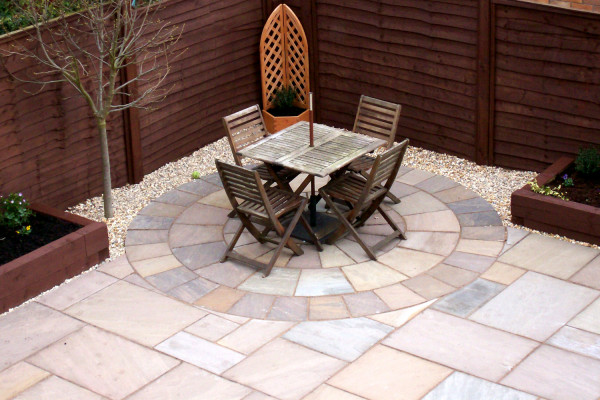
x=493, y=183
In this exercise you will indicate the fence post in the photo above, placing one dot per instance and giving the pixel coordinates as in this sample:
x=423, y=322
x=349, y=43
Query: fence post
x=483, y=135
x=131, y=128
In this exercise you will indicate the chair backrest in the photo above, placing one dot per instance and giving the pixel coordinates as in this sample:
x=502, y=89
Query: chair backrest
x=377, y=118
x=386, y=165
x=241, y=183
x=244, y=128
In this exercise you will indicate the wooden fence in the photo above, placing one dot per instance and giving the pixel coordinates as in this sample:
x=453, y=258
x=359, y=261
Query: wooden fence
x=497, y=81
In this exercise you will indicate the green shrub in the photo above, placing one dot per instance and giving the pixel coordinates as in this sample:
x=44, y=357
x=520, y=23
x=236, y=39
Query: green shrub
x=196, y=175
x=13, y=18
x=588, y=161
x=284, y=98
x=15, y=213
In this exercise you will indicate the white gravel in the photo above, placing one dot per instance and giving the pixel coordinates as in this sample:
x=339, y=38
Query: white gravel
x=493, y=184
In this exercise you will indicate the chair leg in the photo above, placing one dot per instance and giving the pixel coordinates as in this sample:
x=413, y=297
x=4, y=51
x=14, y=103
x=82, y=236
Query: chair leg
x=285, y=239
x=392, y=197
x=234, y=240
x=348, y=225
x=311, y=233
x=391, y=222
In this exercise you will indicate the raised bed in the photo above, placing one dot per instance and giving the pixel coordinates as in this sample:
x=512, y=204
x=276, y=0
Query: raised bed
x=50, y=265
x=275, y=124
x=553, y=215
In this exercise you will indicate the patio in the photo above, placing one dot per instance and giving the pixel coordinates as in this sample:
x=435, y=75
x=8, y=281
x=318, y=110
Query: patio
x=463, y=309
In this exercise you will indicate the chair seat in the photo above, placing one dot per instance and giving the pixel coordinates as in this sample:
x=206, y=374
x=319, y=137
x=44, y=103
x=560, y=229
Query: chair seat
x=284, y=174
x=349, y=187
x=363, y=163
x=282, y=202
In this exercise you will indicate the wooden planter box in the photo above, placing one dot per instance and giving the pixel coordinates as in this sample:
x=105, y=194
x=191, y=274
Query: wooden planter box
x=52, y=264
x=553, y=215
x=275, y=124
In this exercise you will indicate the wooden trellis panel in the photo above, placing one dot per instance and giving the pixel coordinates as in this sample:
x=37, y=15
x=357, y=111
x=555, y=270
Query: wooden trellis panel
x=284, y=56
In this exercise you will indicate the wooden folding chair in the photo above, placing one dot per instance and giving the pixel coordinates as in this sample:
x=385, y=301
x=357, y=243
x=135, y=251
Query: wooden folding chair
x=253, y=203
x=376, y=118
x=364, y=195
x=246, y=127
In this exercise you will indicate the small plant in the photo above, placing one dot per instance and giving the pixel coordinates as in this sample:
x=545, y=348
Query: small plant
x=588, y=161
x=195, y=175
x=547, y=190
x=284, y=98
x=15, y=213
x=568, y=182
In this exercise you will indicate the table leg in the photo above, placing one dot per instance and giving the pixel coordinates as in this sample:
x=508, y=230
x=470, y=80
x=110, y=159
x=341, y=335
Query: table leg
x=312, y=205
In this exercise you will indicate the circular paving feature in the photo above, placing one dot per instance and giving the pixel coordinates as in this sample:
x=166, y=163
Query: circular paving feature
x=453, y=236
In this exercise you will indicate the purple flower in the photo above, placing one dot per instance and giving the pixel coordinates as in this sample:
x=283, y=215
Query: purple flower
x=565, y=177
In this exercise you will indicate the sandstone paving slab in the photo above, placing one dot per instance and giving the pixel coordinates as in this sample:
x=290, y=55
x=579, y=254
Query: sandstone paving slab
x=137, y=280
x=428, y=287
x=383, y=373
x=156, y=209
x=217, y=199
x=56, y=388
x=178, y=197
x=484, y=232
x=472, y=262
x=535, y=306
x=436, y=336
x=103, y=362
x=459, y=386
x=182, y=235
x=156, y=265
x=485, y=218
x=503, y=273
x=488, y=248
x=253, y=305
x=402, y=189
x=18, y=378
x=203, y=214
x=191, y=291
x=327, y=307
x=232, y=225
x=30, y=328
x=76, y=290
x=418, y=203
x=414, y=177
x=332, y=256
x=409, y=262
x=588, y=319
x=577, y=341
x=310, y=258
x=289, y=309
x=213, y=179
x=145, y=251
x=464, y=301
x=199, y=352
x=398, y=318
x=399, y=296
x=589, y=275
x=346, y=339
x=201, y=255
x=221, y=299
x=353, y=250
x=135, y=313
x=244, y=239
x=258, y=396
x=315, y=282
x=201, y=187
x=326, y=392
x=281, y=281
x=436, y=184
x=437, y=221
x=557, y=374
x=151, y=222
x=513, y=236
x=135, y=237
x=454, y=194
x=187, y=382
x=212, y=327
x=453, y=276
x=228, y=273
x=364, y=303
x=476, y=204
x=549, y=256
x=442, y=243
x=254, y=334
x=119, y=267
x=371, y=275
x=165, y=281
x=285, y=370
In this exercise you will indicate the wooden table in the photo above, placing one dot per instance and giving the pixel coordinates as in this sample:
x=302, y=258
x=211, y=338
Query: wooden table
x=334, y=149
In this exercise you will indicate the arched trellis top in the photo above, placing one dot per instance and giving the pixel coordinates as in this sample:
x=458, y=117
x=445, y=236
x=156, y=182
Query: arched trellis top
x=284, y=56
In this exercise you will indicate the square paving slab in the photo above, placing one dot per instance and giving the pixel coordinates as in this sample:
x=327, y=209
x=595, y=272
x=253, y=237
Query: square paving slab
x=55, y=388
x=459, y=386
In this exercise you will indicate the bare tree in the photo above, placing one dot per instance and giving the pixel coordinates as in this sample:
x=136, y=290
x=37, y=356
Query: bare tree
x=88, y=50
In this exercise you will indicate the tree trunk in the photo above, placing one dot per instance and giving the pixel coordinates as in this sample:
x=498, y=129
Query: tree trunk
x=106, y=180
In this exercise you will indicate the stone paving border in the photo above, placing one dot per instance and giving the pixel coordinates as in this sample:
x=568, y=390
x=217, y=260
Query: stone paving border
x=453, y=235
